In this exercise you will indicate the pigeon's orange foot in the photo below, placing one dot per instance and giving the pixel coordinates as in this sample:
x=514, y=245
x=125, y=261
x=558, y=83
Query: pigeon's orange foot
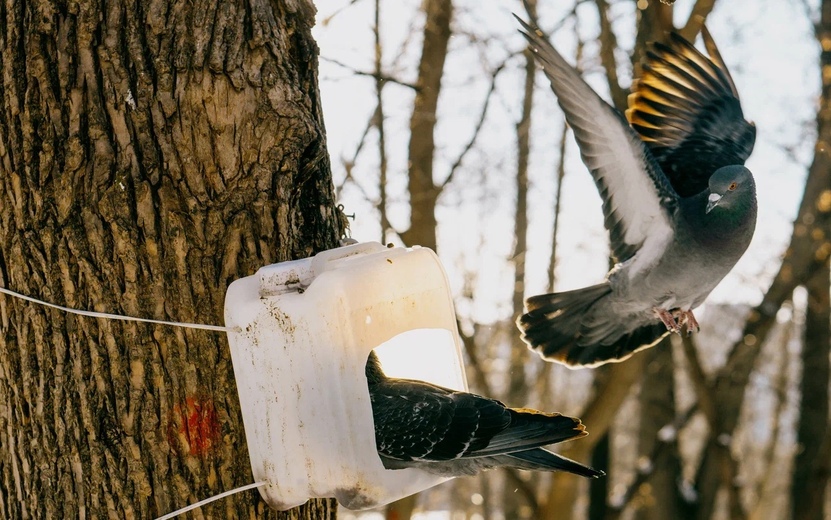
x=667, y=319
x=688, y=319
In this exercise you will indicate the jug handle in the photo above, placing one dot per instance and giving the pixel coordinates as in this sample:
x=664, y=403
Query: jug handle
x=322, y=259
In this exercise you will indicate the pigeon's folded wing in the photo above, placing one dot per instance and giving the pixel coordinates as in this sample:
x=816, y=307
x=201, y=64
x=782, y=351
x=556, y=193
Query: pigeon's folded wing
x=419, y=421
x=407, y=428
x=531, y=429
x=638, y=200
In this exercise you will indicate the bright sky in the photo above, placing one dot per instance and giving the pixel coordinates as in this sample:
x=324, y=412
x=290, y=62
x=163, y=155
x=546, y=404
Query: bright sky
x=770, y=51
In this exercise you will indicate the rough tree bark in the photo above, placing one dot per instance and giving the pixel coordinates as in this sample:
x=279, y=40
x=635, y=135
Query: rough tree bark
x=150, y=154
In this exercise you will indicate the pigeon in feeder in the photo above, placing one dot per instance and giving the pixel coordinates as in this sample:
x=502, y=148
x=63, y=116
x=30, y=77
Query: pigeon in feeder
x=679, y=205
x=452, y=433
x=300, y=333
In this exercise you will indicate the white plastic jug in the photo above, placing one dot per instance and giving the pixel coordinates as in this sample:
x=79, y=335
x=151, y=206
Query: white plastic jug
x=306, y=329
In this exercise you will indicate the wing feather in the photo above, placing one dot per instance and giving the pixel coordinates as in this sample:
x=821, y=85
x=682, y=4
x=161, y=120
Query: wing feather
x=638, y=200
x=686, y=109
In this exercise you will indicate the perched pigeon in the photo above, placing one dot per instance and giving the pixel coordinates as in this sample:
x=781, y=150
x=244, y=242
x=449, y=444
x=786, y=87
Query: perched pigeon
x=451, y=433
x=679, y=205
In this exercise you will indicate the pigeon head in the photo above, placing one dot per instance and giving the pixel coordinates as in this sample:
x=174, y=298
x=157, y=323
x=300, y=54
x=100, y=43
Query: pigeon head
x=374, y=372
x=731, y=188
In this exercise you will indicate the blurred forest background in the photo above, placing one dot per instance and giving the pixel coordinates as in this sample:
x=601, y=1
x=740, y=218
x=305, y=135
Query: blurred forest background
x=443, y=133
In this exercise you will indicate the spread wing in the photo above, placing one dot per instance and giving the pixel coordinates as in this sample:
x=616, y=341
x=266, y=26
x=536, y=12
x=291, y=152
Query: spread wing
x=686, y=109
x=638, y=200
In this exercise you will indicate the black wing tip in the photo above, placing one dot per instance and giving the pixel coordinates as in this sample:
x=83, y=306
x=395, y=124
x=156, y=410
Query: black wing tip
x=595, y=473
x=529, y=29
x=687, y=109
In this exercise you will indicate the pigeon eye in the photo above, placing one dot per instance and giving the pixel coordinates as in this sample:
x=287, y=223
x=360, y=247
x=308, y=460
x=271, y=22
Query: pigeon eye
x=732, y=186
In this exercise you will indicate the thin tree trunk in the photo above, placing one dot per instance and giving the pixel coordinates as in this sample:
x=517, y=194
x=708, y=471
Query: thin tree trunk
x=379, y=124
x=654, y=23
x=808, y=484
x=517, y=386
x=423, y=192
x=598, y=416
x=517, y=394
x=608, y=46
x=599, y=487
x=150, y=154
x=659, y=493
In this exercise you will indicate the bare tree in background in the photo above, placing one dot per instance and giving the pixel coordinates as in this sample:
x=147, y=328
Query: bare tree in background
x=423, y=191
x=813, y=458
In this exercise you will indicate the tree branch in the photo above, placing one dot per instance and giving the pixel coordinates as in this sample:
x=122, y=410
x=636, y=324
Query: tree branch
x=379, y=124
x=665, y=438
x=608, y=45
x=703, y=388
x=698, y=16
x=376, y=75
x=477, y=129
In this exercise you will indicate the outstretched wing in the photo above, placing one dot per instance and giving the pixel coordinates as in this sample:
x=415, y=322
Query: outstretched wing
x=638, y=200
x=686, y=109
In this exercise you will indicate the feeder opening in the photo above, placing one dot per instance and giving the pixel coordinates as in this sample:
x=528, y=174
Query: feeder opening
x=424, y=354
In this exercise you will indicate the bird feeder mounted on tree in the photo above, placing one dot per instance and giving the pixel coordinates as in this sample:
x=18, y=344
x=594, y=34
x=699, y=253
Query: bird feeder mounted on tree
x=304, y=331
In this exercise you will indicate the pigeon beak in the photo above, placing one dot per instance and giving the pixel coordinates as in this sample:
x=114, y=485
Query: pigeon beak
x=712, y=202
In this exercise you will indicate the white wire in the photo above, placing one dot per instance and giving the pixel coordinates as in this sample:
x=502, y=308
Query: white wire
x=211, y=499
x=93, y=314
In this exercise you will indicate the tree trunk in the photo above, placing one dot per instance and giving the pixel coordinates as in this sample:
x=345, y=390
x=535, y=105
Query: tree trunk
x=599, y=487
x=517, y=394
x=150, y=153
x=611, y=390
x=809, y=482
x=423, y=192
x=659, y=493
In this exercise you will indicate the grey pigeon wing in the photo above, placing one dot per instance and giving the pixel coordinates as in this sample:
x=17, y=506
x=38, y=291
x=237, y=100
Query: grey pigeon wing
x=686, y=109
x=638, y=200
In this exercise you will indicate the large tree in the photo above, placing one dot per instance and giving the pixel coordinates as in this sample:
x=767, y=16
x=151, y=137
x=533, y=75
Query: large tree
x=150, y=154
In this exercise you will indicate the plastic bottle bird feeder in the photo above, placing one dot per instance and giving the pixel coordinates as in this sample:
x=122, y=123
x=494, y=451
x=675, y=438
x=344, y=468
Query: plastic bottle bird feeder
x=306, y=329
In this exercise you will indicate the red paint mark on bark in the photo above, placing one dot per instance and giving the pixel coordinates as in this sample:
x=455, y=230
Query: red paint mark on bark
x=194, y=427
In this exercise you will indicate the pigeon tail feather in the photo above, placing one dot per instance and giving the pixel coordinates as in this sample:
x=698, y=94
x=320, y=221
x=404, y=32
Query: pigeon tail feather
x=596, y=354
x=562, y=328
x=541, y=459
x=553, y=321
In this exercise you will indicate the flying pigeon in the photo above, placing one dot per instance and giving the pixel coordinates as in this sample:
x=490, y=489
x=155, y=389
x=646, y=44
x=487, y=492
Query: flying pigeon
x=679, y=205
x=452, y=433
